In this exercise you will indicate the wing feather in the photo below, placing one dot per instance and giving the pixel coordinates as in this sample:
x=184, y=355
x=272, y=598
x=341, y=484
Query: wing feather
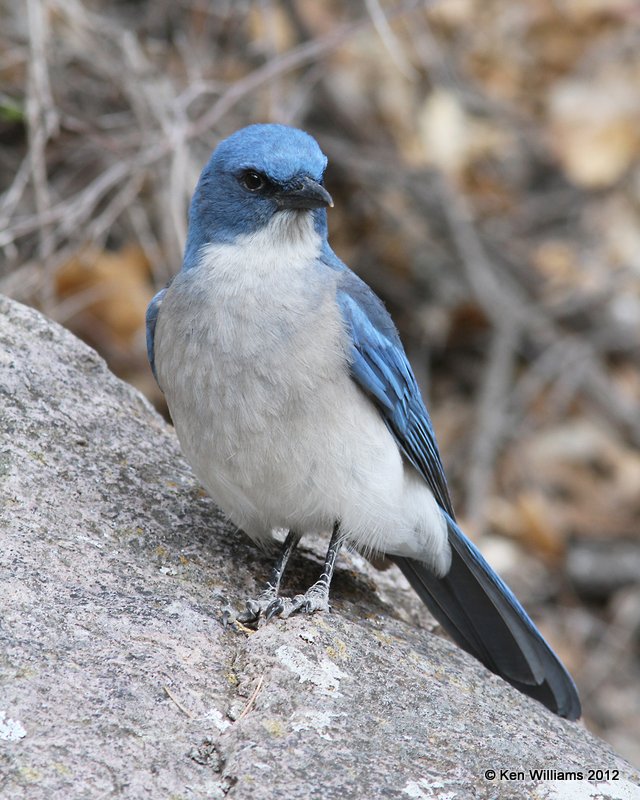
x=381, y=369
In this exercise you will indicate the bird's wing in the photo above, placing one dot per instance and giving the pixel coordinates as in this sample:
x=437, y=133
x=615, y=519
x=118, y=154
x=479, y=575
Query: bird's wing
x=151, y=319
x=471, y=601
x=381, y=369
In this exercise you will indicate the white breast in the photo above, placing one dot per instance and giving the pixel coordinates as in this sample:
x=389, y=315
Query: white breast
x=251, y=353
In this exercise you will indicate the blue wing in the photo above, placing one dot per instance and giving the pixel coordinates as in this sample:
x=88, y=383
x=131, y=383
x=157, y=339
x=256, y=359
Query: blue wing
x=380, y=367
x=471, y=602
x=151, y=319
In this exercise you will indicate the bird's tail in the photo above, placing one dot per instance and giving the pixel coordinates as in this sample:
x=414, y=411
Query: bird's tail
x=484, y=617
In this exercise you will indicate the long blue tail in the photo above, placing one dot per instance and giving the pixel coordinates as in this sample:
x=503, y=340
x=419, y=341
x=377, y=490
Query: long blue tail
x=484, y=617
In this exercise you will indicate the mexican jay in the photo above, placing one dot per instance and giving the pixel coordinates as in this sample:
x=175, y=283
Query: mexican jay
x=297, y=408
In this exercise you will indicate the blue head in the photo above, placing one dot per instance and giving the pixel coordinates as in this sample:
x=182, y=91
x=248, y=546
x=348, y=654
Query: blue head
x=256, y=173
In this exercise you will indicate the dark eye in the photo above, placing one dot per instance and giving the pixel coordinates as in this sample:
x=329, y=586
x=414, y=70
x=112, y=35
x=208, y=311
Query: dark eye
x=252, y=181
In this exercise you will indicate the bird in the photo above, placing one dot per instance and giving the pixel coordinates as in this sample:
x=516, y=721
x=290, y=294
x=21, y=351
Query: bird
x=296, y=406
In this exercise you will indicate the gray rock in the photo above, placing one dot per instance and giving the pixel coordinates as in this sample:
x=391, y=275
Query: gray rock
x=119, y=680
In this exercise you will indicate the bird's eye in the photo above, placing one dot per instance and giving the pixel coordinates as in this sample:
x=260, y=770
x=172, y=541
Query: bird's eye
x=252, y=181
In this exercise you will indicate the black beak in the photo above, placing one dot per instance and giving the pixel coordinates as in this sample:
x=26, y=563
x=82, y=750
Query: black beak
x=304, y=193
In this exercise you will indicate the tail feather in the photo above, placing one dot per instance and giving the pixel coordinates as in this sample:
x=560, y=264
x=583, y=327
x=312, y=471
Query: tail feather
x=484, y=617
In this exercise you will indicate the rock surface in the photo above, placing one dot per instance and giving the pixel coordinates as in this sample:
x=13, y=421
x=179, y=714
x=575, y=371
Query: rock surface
x=117, y=678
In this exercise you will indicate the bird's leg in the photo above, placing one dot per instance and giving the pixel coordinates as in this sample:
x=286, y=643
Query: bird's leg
x=316, y=598
x=267, y=601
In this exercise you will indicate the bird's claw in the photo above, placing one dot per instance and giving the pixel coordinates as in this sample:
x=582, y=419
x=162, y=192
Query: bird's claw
x=275, y=609
x=269, y=606
x=314, y=599
x=252, y=612
x=258, y=607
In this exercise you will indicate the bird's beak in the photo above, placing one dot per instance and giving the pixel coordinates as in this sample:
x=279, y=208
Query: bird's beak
x=304, y=193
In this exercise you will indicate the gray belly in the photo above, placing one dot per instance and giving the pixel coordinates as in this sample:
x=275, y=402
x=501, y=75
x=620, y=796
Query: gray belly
x=249, y=394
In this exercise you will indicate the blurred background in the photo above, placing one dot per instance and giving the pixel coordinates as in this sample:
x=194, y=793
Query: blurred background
x=485, y=163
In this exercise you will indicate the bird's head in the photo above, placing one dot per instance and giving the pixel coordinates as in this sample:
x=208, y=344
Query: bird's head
x=257, y=173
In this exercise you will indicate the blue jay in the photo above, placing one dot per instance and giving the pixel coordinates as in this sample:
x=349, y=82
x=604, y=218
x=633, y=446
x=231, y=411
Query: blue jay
x=295, y=404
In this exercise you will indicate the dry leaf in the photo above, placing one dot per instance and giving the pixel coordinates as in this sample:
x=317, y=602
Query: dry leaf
x=444, y=128
x=109, y=290
x=595, y=129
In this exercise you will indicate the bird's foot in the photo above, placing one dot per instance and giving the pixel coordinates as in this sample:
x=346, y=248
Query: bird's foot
x=315, y=598
x=265, y=606
x=259, y=607
x=269, y=605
